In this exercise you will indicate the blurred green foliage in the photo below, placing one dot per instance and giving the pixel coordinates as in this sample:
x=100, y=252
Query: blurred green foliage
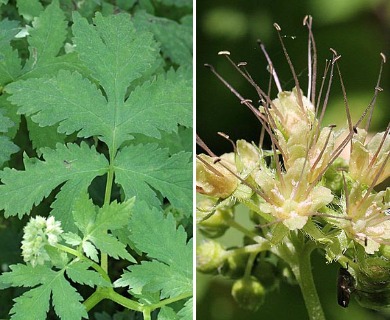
x=358, y=30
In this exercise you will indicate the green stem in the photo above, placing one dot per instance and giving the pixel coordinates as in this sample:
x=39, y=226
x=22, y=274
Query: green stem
x=109, y=293
x=107, y=198
x=249, y=265
x=304, y=276
x=79, y=255
x=170, y=300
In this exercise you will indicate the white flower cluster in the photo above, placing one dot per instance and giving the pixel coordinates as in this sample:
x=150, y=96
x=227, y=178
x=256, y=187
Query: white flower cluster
x=38, y=233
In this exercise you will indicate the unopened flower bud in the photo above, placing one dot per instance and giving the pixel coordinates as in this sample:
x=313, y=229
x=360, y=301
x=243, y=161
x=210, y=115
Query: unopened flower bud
x=249, y=293
x=209, y=256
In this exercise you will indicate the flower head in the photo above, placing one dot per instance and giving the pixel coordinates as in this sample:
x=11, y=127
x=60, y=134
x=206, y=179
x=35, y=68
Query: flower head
x=368, y=222
x=292, y=199
x=370, y=159
x=38, y=233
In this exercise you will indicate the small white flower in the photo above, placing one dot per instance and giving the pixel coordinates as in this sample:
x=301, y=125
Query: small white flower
x=38, y=233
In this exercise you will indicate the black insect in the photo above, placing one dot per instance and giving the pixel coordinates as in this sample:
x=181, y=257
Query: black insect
x=345, y=286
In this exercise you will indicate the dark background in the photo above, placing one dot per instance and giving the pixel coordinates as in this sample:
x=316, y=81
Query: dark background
x=359, y=30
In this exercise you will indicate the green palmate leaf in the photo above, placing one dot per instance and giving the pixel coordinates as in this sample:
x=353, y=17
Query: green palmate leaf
x=66, y=300
x=137, y=173
x=164, y=102
x=23, y=189
x=175, y=38
x=47, y=35
x=171, y=268
x=155, y=276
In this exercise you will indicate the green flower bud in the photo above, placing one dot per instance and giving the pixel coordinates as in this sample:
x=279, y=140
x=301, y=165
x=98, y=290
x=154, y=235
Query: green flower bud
x=209, y=256
x=216, y=225
x=248, y=293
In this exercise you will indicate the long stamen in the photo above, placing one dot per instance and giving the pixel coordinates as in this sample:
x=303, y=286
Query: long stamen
x=377, y=89
x=312, y=47
x=259, y=91
x=325, y=103
x=272, y=69
x=224, y=135
x=203, y=145
x=299, y=93
x=326, y=70
x=263, y=119
x=345, y=98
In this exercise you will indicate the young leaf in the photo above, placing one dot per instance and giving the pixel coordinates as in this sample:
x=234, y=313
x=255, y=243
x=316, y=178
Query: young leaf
x=94, y=224
x=22, y=189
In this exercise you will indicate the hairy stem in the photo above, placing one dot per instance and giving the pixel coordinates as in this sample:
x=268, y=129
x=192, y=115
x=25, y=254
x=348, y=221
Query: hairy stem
x=304, y=276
